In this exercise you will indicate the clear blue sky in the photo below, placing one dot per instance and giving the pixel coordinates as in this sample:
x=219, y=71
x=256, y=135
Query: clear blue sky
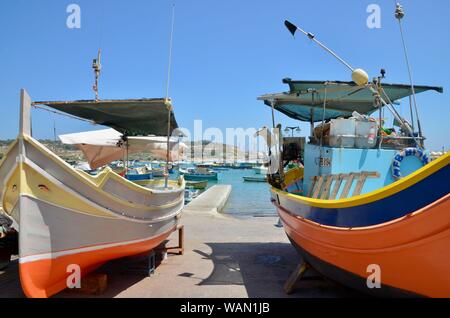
x=226, y=53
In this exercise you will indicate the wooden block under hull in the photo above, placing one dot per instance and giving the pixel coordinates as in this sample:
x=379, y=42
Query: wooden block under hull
x=93, y=284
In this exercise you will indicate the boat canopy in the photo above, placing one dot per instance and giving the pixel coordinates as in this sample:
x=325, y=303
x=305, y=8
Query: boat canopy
x=305, y=99
x=102, y=147
x=130, y=116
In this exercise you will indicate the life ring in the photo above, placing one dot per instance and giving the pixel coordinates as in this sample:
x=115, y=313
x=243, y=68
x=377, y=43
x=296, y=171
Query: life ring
x=396, y=163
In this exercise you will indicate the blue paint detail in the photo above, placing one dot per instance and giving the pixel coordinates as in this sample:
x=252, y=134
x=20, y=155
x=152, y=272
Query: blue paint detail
x=138, y=177
x=347, y=160
x=419, y=195
x=200, y=177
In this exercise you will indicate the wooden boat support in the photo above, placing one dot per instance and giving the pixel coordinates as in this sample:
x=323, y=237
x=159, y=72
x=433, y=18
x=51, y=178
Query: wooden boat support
x=179, y=249
x=296, y=276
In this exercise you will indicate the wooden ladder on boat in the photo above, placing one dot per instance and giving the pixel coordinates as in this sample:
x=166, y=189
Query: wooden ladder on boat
x=323, y=187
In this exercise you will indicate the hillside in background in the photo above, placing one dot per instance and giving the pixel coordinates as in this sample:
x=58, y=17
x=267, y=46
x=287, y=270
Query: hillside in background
x=211, y=152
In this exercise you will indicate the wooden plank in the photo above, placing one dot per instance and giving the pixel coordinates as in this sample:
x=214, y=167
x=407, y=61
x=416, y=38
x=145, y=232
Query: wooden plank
x=362, y=181
x=348, y=185
x=337, y=186
x=373, y=174
x=318, y=187
x=360, y=184
x=313, y=185
x=295, y=277
x=326, y=189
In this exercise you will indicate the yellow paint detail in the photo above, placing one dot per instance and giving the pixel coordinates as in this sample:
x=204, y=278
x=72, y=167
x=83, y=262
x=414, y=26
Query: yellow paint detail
x=37, y=186
x=293, y=175
x=373, y=196
x=97, y=182
x=11, y=192
x=97, y=179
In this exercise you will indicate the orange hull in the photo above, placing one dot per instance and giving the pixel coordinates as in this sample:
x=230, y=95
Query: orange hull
x=44, y=278
x=412, y=252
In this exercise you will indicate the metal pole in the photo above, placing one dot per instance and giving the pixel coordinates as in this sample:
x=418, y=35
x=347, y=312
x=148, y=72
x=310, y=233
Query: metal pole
x=166, y=172
x=399, y=14
x=312, y=37
x=272, y=104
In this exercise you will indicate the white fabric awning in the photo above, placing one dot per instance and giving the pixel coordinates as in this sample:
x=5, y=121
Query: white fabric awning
x=101, y=147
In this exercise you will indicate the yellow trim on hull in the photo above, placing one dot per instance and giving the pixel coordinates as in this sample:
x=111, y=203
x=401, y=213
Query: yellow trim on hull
x=97, y=182
x=39, y=187
x=373, y=196
x=11, y=192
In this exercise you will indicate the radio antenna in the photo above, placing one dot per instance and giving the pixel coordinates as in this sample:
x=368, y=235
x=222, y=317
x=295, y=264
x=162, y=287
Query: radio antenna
x=97, y=67
x=168, y=103
x=169, y=68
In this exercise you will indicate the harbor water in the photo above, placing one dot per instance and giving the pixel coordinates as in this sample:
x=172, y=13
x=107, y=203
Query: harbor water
x=247, y=199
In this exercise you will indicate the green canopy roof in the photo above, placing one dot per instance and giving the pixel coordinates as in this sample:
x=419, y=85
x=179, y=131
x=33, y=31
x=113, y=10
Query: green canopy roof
x=131, y=116
x=305, y=98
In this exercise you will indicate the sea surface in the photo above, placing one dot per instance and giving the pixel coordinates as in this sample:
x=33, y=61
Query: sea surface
x=246, y=198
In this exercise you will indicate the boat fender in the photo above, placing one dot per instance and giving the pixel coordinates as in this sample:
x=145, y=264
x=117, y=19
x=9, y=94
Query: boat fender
x=396, y=163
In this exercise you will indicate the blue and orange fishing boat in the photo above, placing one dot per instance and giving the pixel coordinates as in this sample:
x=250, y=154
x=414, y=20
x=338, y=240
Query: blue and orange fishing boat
x=369, y=209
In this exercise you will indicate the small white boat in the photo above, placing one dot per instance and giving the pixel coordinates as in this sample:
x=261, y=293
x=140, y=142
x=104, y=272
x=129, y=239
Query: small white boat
x=261, y=170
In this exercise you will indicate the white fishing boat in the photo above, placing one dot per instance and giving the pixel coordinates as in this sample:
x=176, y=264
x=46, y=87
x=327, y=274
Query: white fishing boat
x=69, y=219
x=261, y=170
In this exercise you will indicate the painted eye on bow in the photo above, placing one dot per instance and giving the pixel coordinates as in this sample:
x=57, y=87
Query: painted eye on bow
x=14, y=187
x=43, y=187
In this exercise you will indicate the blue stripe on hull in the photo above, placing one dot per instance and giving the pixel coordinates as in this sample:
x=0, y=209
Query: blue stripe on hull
x=199, y=177
x=393, y=207
x=139, y=177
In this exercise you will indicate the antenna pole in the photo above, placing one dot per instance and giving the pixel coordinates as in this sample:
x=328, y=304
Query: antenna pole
x=54, y=134
x=170, y=51
x=399, y=14
x=97, y=67
x=169, y=106
x=292, y=28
